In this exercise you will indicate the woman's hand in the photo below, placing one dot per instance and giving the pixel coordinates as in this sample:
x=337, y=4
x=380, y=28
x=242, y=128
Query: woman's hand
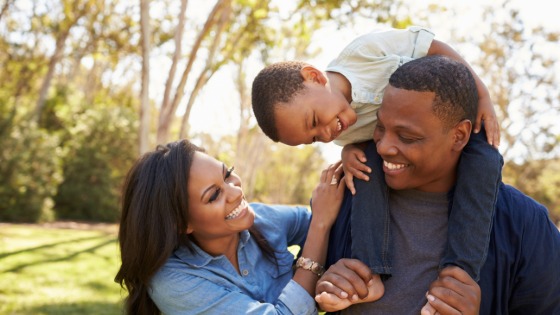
x=327, y=196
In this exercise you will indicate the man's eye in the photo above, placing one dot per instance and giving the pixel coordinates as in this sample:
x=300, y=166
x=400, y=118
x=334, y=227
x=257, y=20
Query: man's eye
x=314, y=121
x=406, y=140
x=215, y=195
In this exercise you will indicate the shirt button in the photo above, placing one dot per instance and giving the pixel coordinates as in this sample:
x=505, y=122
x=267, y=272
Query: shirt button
x=245, y=272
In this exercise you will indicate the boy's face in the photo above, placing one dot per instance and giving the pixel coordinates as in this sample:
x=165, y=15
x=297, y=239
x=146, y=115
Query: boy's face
x=315, y=114
x=417, y=153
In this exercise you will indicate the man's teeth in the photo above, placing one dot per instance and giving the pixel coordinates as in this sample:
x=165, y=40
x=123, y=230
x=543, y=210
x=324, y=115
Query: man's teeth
x=237, y=211
x=392, y=166
x=338, y=125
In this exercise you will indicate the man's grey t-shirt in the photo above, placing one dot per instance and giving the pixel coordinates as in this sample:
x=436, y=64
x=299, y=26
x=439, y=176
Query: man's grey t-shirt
x=418, y=235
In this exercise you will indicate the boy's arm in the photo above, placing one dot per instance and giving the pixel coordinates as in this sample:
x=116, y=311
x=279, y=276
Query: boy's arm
x=486, y=111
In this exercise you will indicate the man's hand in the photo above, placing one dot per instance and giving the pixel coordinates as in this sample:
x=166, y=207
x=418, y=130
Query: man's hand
x=487, y=114
x=353, y=159
x=454, y=292
x=347, y=282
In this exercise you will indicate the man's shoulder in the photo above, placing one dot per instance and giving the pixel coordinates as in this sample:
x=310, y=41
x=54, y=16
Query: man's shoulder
x=517, y=208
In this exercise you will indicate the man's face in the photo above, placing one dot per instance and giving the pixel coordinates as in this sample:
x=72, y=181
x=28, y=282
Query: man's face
x=315, y=114
x=417, y=153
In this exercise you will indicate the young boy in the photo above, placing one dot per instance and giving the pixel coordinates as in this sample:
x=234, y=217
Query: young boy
x=295, y=103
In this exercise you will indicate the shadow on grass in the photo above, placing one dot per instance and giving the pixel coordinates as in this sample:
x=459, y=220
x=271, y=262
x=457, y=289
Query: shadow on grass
x=32, y=249
x=68, y=257
x=78, y=309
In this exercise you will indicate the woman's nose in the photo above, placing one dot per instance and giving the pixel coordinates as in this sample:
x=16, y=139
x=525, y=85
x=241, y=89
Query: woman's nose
x=233, y=191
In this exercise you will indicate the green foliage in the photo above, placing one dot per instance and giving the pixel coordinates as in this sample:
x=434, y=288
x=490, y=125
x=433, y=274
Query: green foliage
x=289, y=175
x=101, y=149
x=56, y=271
x=29, y=169
x=538, y=179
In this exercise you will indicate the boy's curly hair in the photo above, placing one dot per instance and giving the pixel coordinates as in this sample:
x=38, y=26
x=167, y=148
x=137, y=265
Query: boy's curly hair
x=276, y=84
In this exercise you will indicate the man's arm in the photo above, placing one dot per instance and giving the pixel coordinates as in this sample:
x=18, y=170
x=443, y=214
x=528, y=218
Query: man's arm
x=537, y=282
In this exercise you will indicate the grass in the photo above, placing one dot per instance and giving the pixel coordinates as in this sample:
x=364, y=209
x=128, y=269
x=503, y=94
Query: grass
x=48, y=270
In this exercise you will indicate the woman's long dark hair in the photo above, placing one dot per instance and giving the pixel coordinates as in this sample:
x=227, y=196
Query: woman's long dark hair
x=154, y=219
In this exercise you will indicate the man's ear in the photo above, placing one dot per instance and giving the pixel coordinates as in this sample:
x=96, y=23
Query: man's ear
x=461, y=134
x=312, y=74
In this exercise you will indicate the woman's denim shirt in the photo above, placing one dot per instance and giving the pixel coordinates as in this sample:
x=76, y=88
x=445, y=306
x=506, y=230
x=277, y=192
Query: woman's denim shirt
x=198, y=283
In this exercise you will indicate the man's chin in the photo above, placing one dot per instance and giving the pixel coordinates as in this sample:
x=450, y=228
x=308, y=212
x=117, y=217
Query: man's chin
x=395, y=184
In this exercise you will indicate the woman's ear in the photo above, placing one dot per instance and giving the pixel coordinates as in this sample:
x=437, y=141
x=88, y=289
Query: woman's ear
x=462, y=133
x=189, y=229
x=312, y=74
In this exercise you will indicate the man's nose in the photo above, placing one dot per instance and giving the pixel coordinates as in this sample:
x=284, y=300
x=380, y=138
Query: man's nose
x=386, y=146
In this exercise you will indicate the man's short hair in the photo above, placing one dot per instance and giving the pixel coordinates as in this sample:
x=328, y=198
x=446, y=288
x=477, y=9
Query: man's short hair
x=275, y=84
x=456, y=96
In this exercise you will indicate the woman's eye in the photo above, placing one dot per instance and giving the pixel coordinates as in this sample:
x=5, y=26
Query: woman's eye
x=314, y=121
x=214, y=196
x=229, y=171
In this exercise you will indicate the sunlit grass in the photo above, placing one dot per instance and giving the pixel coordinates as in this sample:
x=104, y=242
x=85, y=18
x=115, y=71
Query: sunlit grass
x=58, y=271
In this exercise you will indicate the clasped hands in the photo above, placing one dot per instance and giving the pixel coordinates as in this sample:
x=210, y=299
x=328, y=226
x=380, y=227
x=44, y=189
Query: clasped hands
x=350, y=281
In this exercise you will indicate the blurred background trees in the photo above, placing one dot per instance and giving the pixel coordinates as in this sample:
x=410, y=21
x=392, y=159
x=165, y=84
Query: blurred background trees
x=88, y=85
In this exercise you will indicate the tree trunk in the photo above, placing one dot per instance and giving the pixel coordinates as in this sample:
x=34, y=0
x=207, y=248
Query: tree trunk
x=176, y=56
x=55, y=58
x=167, y=111
x=145, y=96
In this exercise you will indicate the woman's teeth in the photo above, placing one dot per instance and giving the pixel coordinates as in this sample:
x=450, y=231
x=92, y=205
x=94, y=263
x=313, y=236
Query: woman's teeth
x=338, y=125
x=236, y=211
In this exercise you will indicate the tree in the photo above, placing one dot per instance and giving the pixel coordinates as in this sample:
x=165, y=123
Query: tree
x=144, y=91
x=72, y=12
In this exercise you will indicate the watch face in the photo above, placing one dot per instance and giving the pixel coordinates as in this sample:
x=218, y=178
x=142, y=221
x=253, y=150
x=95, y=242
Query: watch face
x=307, y=264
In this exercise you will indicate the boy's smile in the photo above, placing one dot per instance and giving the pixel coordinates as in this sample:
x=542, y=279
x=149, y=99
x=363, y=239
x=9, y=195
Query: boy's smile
x=316, y=114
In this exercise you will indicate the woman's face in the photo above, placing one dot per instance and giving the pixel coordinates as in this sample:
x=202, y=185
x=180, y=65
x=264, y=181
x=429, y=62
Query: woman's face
x=217, y=206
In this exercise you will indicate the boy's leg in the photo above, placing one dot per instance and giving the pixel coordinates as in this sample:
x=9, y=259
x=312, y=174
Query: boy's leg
x=370, y=217
x=470, y=220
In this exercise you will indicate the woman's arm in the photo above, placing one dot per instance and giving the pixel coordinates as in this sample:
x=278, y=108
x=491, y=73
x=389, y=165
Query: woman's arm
x=325, y=204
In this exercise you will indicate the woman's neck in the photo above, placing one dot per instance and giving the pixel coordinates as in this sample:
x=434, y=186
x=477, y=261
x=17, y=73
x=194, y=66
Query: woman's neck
x=226, y=246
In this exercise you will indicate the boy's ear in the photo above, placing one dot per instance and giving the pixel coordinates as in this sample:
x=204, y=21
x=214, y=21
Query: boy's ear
x=462, y=133
x=312, y=74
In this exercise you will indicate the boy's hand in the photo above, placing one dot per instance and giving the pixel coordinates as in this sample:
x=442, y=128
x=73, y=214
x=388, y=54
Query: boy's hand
x=353, y=159
x=487, y=114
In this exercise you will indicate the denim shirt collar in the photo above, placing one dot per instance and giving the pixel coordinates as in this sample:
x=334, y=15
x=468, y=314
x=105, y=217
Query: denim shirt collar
x=199, y=258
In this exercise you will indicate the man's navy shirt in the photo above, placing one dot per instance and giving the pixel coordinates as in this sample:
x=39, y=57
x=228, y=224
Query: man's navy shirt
x=521, y=274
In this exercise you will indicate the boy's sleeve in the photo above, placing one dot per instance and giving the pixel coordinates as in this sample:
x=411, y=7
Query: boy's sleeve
x=413, y=42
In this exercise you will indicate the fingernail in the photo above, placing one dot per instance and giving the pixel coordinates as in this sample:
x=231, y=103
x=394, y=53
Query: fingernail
x=344, y=294
x=431, y=298
x=354, y=297
x=370, y=283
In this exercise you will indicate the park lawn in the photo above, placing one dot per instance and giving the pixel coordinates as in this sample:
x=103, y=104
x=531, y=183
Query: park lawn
x=53, y=270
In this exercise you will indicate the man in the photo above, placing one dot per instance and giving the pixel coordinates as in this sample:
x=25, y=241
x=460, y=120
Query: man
x=424, y=122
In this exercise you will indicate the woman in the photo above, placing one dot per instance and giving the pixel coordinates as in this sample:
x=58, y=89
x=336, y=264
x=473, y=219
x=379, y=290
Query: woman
x=191, y=244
